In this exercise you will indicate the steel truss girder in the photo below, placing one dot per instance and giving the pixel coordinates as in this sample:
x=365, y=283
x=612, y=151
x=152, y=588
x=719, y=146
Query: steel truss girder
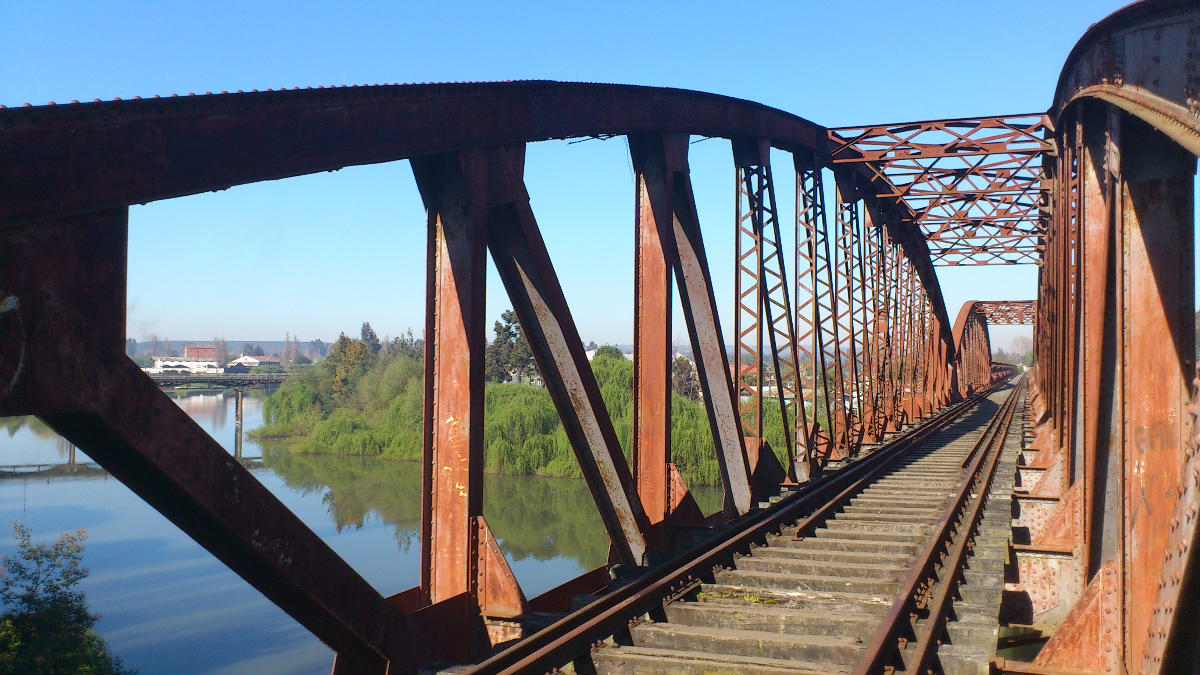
x=1008, y=312
x=970, y=184
x=764, y=302
x=846, y=262
x=814, y=303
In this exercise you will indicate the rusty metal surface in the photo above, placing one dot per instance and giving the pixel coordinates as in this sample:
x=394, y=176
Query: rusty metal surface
x=452, y=465
x=459, y=555
x=1092, y=640
x=652, y=330
x=1144, y=59
x=1008, y=312
x=500, y=596
x=973, y=185
x=814, y=301
x=1158, y=217
x=704, y=327
x=524, y=265
x=763, y=304
x=1099, y=194
x=748, y=369
x=1170, y=646
x=136, y=151
x=1114, y=342
x=973, y=348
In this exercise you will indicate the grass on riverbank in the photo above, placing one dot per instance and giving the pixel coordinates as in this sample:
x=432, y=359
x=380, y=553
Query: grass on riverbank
x=372, y=405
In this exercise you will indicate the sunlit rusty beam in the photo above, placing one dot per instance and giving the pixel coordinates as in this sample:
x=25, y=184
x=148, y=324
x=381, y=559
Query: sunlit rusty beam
x=1008, y=312
x=1141, y=59
x=814, y=298
x=452, y=467
x=64, y=159
x=524, y=265
x=752, y=162
x=653, y=267
x=968, y=136
x=455, y=553
x=704, y=326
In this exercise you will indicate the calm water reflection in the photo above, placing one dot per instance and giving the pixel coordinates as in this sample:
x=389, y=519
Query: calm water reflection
x=169, y=606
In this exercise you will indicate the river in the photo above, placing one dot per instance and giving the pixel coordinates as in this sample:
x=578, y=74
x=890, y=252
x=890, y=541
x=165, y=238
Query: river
x=167, y=605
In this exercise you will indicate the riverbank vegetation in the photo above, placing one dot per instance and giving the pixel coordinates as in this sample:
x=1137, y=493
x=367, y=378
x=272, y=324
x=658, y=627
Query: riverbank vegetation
x=366, y=399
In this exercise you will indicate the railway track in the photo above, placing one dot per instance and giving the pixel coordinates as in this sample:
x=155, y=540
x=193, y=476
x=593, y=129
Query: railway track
x=893, y=563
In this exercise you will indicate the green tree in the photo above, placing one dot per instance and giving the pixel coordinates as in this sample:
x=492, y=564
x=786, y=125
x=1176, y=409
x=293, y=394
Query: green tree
x=406, y=345
x=46, y=626
x=509, y=352
x=347, y=360
x=608, y=351
x=369, y=338
x=684, y=380
x=317, y=349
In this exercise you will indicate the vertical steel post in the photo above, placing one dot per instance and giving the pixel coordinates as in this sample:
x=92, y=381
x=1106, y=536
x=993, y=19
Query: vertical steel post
x=748, y=368
x=525, y=268
x=652, y=328
x=704, y=328
x=1159, y=351
x=237, y=424
x=452, y=467
x=844, y=353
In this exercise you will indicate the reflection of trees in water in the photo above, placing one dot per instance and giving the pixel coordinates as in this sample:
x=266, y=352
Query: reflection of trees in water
x=543, y=518
x=39, y=429
x=532, y=516
x=14, y=424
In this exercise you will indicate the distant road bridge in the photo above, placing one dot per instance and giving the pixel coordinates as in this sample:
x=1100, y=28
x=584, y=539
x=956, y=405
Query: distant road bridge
x=231, y=380
x=238, y=382
x=926, y=475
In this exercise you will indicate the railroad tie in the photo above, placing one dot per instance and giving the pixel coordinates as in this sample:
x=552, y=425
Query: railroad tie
x=810, y=605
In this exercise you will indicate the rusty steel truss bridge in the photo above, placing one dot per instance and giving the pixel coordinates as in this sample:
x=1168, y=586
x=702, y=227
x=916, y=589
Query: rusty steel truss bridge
x=1063, y=500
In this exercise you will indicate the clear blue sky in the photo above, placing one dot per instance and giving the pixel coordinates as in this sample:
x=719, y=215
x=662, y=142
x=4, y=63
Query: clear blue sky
x=319, y=254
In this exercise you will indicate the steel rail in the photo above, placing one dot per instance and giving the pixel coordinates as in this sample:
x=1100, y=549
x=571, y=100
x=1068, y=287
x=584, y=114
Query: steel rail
x=957, y=525
x=571, y=636
x=939, y=607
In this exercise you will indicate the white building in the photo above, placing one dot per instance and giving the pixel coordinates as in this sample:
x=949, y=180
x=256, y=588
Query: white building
x=183, y=365
x=252, y=361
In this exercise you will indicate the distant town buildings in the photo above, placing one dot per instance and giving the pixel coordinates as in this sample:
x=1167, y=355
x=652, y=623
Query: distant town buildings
x=244, y=363
x=202, y=360
x=183, y=365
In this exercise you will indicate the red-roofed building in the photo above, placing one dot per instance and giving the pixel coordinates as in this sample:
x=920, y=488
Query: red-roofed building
x=200, y=352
